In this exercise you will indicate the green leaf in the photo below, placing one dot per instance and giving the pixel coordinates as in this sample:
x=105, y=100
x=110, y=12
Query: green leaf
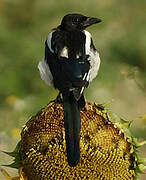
x=16, y=155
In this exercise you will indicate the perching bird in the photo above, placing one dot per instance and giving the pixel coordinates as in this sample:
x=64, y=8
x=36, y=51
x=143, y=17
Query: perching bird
x=71, y=63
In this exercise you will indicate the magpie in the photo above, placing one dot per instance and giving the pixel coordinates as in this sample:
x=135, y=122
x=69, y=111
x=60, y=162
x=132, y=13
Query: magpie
x=71, y=62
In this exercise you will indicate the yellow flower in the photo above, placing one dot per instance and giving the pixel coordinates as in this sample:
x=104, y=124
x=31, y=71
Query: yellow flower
x=15, y=133
x=143, y=118
x=10, y=100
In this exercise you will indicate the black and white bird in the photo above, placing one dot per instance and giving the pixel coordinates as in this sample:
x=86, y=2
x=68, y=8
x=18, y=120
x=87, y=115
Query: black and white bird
x=71, y=62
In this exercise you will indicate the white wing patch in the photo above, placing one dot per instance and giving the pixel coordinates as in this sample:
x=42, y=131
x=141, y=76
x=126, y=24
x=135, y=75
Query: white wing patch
x=43, y=67
x=64, y=52
x=88, y=42
x=49, y=41
x=45, y=72
x=93, y=58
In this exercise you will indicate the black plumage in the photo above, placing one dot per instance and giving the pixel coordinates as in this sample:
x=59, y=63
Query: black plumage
x=70, y=64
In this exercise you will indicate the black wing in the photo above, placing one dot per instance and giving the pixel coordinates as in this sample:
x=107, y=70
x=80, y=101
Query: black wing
x=60, y=80
x=69, y=74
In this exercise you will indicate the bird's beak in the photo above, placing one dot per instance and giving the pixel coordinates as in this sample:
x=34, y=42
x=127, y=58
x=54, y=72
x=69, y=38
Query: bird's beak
x=89, y=21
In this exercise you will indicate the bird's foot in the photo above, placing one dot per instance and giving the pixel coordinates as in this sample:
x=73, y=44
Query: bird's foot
x=58, y=99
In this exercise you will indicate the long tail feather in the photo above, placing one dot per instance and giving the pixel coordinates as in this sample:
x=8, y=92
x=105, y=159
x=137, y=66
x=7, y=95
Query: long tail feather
x=72, y=125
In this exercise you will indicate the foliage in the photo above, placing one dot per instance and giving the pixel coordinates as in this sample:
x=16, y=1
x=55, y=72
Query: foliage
x=120, y=40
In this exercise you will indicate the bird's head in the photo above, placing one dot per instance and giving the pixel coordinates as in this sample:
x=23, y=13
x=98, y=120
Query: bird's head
x=77, y=22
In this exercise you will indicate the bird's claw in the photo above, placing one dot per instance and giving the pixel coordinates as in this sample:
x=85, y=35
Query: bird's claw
x=58, y=99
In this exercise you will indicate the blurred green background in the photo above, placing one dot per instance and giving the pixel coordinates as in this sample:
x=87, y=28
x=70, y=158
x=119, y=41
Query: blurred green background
x=120, y=40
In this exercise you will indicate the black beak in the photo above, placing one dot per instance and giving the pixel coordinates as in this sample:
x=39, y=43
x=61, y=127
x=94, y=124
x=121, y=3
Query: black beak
x=89, y=21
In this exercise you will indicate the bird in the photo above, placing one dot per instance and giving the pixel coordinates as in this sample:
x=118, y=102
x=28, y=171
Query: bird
x=71, y=62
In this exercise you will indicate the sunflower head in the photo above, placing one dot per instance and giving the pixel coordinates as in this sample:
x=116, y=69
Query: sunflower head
x=108, y=151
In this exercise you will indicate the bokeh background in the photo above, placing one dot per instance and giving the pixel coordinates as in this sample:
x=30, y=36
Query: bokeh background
x=120, y=40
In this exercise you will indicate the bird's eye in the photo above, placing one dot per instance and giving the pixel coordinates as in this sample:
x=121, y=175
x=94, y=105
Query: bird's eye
x=75, y=20
x=83, y=19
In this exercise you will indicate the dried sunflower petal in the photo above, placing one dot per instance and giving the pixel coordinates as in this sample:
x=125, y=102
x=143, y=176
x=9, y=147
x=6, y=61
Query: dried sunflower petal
x=108, y=151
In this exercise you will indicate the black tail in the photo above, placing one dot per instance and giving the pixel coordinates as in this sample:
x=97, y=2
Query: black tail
x=72, y=124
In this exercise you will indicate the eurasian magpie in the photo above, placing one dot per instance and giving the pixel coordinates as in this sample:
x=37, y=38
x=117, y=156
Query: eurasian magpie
x=71, y=62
